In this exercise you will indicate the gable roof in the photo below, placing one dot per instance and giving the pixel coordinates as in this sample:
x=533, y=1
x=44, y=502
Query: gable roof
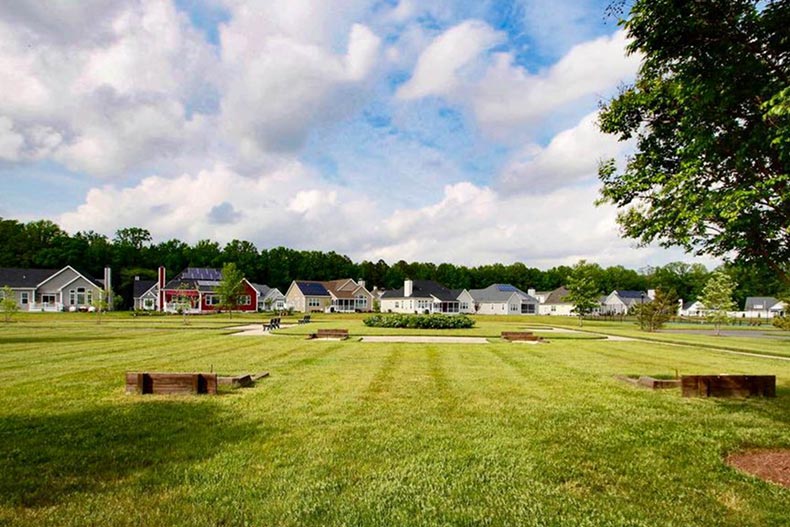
x=499, y=293
x=760, y=303
x=141, y=287
x=690, y=304
x=262, y=289
x=424, y=289
x=557, y=296
x=24, y=278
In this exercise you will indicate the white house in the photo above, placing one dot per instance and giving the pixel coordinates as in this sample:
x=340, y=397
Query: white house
x=426, y=296
x=55, y=290
x=555, y=303
x=692, y=309
x=504, y=299
x=620, y=302
x=762, y=307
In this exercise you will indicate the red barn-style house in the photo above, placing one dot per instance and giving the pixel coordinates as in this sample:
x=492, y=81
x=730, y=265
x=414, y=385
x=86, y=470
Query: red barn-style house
x=194, y=289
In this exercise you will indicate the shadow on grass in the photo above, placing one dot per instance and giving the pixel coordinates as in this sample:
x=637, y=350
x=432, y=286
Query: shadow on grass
x=776, y=409
x=53, y=339
x=47, y=458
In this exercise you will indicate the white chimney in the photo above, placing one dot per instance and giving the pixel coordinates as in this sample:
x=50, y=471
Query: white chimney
x=651, y=294
x=531, y=292
x=408, y=288
x=361, y=282
x=108, y=287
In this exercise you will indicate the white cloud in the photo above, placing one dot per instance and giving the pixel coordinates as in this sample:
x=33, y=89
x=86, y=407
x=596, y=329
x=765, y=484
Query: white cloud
x=10, y=141
x=288, y=205
x=505, y=97
x=508, y=96
x=570, y=158
x=110, y=98
x=281, y=81
x=440, y=65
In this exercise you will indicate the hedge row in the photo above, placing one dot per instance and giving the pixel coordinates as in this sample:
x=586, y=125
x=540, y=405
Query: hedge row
x=437, y=321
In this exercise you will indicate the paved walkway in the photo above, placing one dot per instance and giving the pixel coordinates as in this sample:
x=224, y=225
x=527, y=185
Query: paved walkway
x=427, y=339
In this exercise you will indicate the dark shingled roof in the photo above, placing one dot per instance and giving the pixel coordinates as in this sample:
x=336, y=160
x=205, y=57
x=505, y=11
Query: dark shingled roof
x=141, y=286
x=425, y=289
x=16, y=277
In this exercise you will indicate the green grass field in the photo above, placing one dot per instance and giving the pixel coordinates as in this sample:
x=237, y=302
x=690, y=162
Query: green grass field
x=350, y=433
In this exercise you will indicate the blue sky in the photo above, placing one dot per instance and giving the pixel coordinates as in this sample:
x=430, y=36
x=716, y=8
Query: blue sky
x=456, y=131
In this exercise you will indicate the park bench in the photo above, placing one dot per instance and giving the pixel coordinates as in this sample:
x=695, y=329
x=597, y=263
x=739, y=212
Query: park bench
x=304, y=320
x=274, y=323
x=728, y=385
x=523, y=336
x=330, y=334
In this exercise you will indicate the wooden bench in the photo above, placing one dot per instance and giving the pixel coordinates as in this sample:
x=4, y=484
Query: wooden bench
x=331, y=334
x=728, y=385
x=523, y=336
x=171, y=383
x=274, y=323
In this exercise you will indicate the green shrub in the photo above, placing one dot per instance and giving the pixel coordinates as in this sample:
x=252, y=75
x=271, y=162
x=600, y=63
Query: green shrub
x=437, y=321
x=782, y=322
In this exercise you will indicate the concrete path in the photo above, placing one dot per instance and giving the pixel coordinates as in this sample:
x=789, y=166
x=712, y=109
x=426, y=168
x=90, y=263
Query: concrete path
x=427, y=339
x=254, y=330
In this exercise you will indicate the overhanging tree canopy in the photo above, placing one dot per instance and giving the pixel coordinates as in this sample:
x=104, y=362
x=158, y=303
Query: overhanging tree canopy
x=710, y=115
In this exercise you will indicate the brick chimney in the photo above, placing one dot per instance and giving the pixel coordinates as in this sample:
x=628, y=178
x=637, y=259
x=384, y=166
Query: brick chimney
x=160, y=282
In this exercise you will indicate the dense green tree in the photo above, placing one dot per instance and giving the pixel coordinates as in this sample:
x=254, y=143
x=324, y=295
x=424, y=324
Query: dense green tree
x=8, y=305
x=583, y=290
x=717, y=299
x=230, y=288
x=710, y=119
x=651, y=316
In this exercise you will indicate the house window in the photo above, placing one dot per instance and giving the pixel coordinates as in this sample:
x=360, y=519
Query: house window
x=89, y=295
x=48, y=299
x=553, y=309
x=245, y=300
x=464, y=305
x=514, y=307
x=211, y=300
x=24, y=298
x=72, y=297
x=313, y=302
x=80, y=296
x=148, y=303
x=361, y=302
x=397, y=305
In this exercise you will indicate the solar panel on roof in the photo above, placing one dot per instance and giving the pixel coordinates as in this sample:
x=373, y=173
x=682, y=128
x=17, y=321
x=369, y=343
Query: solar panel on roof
x=313, y=289
x=506, y=288
x=201, y=273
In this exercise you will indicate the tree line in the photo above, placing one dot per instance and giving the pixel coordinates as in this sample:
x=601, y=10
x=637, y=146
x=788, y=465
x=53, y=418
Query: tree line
x=132, y=252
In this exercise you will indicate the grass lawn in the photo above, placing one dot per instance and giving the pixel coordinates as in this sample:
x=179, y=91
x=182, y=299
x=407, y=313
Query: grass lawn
x=349, y=433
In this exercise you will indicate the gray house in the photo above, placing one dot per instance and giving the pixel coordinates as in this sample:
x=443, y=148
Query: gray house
x=55, y=290
x=269, y=298
x=145, y=294
x=504, y=299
